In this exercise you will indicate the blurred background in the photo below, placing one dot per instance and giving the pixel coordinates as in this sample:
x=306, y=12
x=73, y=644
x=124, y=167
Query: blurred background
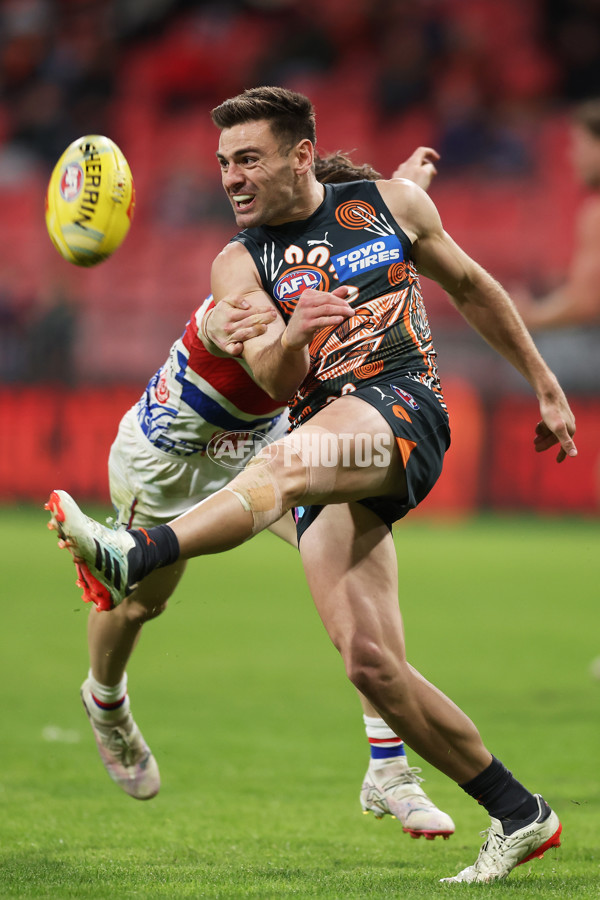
x=489, y=83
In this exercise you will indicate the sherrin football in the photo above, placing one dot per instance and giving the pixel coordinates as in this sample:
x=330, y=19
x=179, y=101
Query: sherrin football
x=90, y=200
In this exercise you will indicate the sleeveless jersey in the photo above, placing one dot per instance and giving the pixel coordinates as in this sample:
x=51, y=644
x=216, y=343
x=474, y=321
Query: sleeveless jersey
x=351, y=239
x=196, y=396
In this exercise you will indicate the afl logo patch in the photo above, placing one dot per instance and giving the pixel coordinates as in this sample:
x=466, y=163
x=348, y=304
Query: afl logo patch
x=71, y=182
x=293, y=282
x=404, y=395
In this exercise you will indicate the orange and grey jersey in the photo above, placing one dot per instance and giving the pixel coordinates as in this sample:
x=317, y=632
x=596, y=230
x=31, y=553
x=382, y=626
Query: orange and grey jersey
x=351, y=239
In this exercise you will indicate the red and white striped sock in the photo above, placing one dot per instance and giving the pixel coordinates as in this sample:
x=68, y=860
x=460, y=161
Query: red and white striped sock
x=386, y=747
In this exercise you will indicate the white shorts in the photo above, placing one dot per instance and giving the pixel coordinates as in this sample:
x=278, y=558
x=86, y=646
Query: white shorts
x=150, y=487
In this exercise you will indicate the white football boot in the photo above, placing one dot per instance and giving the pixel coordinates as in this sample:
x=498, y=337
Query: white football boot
x=501, y=853
x=99, y=553
x=395, y=789
x=123, y=750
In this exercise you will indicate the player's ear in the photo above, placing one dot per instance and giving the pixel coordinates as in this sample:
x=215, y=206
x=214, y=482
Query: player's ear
x=304, y=156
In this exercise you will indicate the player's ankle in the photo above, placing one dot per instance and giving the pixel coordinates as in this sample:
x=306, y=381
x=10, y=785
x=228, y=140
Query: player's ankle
x=107, y=702
x=386, y=748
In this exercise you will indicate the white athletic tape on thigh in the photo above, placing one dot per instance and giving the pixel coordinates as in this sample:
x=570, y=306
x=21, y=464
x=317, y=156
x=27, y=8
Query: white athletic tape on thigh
x=258, y=491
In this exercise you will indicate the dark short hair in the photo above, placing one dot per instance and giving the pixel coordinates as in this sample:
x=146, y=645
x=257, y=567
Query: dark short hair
x=587, y=114
x=290, y=115
x=336, y=168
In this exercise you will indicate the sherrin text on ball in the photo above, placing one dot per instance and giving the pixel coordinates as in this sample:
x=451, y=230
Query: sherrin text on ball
x=90, y=200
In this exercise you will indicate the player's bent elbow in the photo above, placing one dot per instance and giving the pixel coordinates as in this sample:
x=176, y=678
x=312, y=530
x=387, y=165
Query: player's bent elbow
x=279, y=389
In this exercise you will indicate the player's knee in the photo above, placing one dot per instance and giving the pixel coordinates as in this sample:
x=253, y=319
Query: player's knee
x=137, y=610
x=268, y=486
x=289, y=471
x=366, y=664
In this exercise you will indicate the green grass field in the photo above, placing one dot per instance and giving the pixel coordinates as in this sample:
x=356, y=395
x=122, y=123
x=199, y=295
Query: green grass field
x=259, y=735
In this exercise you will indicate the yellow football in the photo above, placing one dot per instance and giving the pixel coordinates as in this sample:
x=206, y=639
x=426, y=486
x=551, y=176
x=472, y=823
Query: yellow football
x=90, y=200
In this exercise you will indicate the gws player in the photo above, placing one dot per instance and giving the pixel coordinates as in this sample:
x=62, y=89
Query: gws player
x=359, y=365
x=159, y=466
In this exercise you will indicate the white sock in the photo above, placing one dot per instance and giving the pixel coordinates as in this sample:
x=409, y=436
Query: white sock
x=110, y=702
x=386, y=746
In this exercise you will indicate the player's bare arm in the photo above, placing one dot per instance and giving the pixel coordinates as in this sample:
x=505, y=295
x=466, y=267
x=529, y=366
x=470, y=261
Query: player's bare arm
x=484, y=304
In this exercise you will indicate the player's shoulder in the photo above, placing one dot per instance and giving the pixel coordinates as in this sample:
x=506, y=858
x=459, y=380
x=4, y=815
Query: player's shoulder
x=410, y=205
x=401, y=189
x=234, y=252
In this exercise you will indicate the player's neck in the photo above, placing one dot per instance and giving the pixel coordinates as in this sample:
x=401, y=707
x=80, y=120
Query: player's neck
x=306, y=202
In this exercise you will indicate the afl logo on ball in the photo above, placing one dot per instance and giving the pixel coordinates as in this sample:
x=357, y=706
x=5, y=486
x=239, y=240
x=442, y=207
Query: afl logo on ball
x=71, y=182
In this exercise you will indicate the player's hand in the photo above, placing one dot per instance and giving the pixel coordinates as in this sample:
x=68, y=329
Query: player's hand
x=316, y=310
x=419, y=167
x=557, y=427
x=231, y=323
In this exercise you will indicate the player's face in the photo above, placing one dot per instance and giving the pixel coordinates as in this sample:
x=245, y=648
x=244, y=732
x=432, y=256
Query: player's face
x=258, y=174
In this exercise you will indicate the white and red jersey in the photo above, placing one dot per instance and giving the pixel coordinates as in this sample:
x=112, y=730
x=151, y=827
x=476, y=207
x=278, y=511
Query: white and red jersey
x=196, y=396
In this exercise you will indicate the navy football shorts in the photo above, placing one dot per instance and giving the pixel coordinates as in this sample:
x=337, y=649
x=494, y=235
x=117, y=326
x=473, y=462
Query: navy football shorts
x=420, y=424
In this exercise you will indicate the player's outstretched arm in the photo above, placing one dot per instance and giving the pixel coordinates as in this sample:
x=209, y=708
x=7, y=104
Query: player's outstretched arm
x=485, y=305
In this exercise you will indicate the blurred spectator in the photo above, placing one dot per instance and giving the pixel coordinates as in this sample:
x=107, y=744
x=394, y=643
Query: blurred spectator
x=14, y=309
x=56, y=73
x=51, y=337
x=573, y=32
x=303, y=48
x=574, y=305
x=474, y=78
x=577, y=300
x=186, y=196
x=408, y=41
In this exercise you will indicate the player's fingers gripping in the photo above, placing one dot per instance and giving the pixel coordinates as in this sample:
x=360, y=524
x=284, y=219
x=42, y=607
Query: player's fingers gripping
x=233, y=321
x=250, y=326
x=234, y=348
x=318, y=304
